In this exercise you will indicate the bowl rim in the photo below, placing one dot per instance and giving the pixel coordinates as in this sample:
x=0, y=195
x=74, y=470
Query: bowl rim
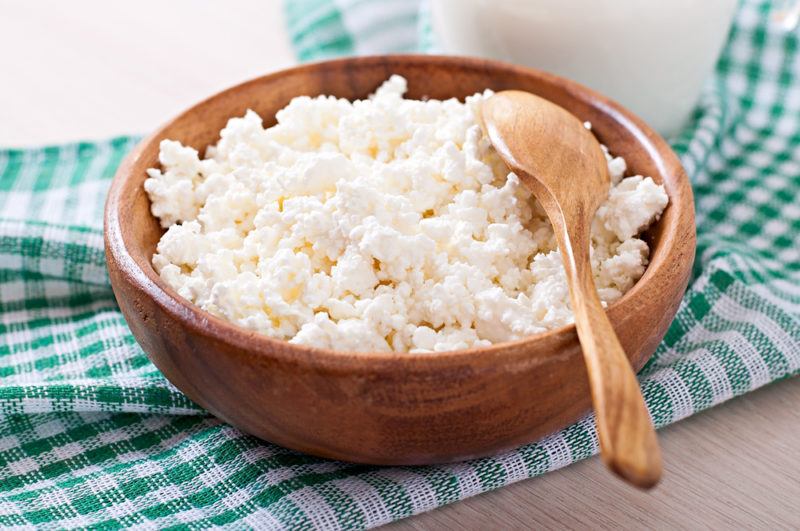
x=148, y=282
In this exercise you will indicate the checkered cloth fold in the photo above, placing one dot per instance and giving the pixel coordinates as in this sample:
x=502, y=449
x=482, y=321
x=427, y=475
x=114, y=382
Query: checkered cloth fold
x=91, y=434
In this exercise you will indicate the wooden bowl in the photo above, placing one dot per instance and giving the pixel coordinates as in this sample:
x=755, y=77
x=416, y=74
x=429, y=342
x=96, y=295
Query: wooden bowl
x=385, y=408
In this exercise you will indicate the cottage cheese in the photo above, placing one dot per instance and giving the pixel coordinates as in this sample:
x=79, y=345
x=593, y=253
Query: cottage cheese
x=378, y=225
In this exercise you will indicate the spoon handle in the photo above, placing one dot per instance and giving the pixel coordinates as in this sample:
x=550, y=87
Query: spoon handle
x=628, y=441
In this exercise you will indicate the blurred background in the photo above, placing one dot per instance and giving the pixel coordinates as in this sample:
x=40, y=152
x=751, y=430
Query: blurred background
x=93, y=69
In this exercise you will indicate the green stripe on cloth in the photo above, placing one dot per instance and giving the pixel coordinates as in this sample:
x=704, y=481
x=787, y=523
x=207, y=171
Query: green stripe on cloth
x=91, y=434
x=317, y=30
x=325, y=28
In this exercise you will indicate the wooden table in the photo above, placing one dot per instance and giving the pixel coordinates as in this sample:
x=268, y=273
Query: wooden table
x=92, y=69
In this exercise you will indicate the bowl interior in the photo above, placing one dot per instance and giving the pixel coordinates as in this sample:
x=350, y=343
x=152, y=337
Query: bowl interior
x=428, y=77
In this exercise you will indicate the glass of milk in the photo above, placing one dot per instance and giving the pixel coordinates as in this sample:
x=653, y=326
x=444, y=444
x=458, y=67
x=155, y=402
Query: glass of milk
x=652, y=56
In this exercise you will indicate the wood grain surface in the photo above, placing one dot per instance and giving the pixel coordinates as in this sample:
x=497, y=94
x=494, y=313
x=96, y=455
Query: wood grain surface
x=734, y=466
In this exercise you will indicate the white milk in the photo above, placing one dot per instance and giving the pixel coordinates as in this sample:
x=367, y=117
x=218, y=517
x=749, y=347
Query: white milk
x=650, y=55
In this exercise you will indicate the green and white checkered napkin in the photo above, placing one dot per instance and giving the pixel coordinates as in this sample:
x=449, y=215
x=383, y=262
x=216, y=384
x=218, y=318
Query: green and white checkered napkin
x=91, y=434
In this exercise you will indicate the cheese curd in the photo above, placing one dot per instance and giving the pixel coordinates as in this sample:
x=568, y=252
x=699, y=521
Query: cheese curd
x=385, y=224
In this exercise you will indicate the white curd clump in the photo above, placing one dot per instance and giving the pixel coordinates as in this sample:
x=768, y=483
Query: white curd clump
x=385, y=224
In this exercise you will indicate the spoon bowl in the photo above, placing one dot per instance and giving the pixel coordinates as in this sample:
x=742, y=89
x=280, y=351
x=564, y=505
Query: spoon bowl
x=557, y=158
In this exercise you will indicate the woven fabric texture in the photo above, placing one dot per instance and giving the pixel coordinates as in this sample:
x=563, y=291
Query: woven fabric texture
x=92, y=435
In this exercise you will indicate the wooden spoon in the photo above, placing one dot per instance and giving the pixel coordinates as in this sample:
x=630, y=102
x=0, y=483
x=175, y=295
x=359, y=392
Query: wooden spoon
x=562, y=163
